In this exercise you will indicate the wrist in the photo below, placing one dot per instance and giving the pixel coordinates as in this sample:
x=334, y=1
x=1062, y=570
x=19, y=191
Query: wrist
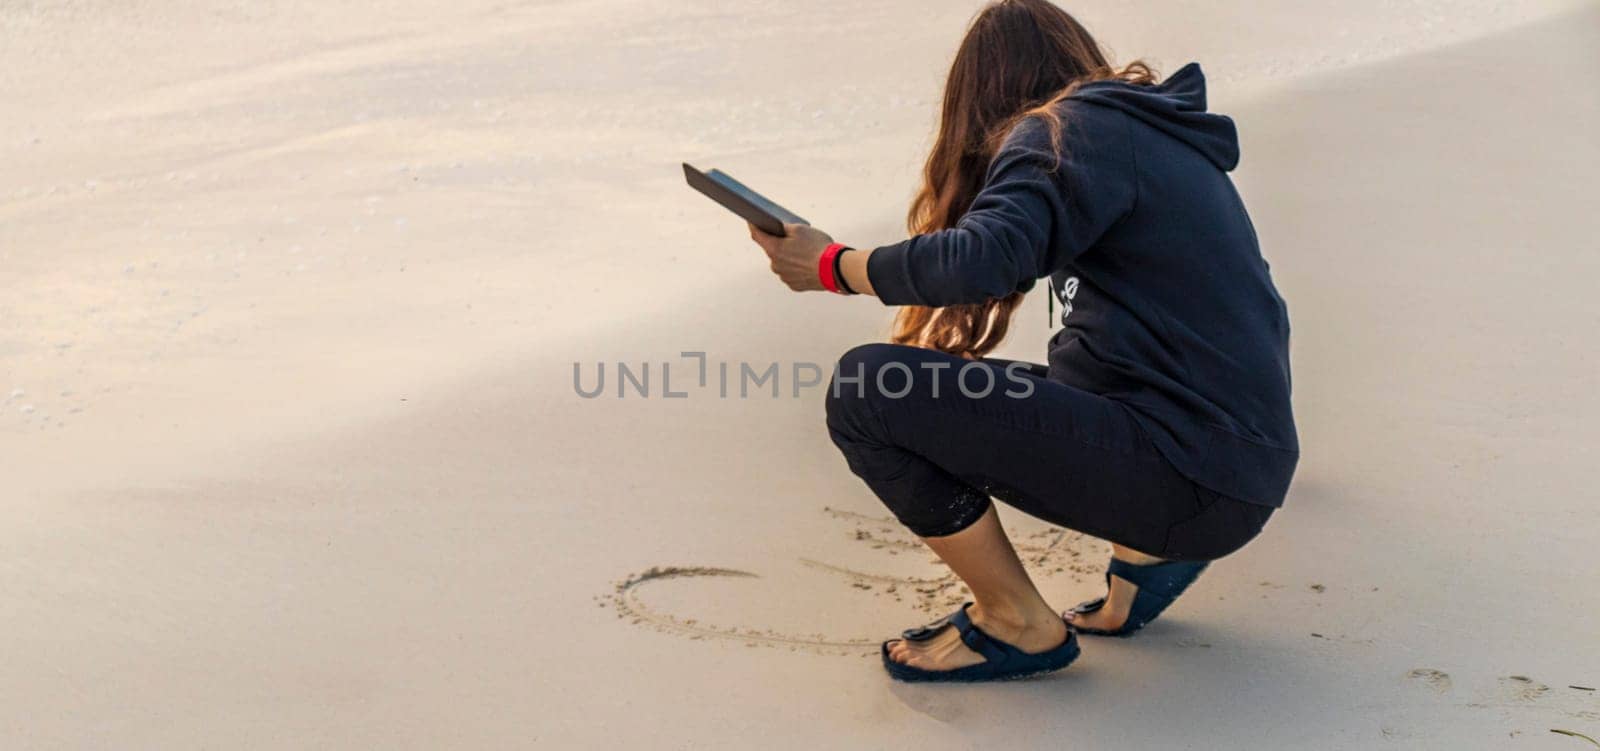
x=828, y=269
x=853, y=270
x=838, y=271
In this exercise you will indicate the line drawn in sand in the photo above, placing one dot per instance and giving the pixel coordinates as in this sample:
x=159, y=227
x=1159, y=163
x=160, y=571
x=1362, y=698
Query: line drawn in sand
x=1047, y=552
x=627, y=602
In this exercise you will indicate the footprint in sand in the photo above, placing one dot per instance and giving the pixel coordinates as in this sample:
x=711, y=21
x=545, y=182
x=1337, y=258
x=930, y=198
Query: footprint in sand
x=1519, y=693
x=1520, y=688
x=1046, y=553
x=1438, y=680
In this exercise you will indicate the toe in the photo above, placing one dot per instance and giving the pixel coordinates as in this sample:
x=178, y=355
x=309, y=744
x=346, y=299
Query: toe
x=897, y=650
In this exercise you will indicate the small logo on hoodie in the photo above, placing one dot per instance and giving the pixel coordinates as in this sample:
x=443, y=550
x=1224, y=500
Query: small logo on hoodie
x=1065, y=293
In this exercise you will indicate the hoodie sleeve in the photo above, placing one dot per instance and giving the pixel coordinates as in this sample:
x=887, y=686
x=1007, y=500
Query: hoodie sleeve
x=1030, y=219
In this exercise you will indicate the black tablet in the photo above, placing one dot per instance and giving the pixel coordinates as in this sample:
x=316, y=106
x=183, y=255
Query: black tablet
x=733, y=195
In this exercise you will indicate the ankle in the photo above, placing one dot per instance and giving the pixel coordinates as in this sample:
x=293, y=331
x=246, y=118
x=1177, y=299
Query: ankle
x=1129, y=555
x=1014, y=617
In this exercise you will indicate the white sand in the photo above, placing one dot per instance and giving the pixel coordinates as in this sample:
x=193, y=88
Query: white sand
x=291, y=455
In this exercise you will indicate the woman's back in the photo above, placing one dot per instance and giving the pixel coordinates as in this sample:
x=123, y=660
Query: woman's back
x=1172, y=309
x=1167, y=304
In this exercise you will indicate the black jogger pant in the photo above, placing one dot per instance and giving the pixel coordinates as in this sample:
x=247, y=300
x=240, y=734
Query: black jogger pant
x=934, y=444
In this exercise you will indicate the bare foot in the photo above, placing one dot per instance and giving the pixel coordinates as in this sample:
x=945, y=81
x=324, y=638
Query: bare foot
x=1033, y=633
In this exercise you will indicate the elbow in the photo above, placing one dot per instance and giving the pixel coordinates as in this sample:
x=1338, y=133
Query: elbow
x=993, y=270
x=983, y=289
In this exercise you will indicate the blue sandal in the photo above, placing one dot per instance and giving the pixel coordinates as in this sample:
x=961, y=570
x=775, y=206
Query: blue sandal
x=1159, y=584
x=1002, y=662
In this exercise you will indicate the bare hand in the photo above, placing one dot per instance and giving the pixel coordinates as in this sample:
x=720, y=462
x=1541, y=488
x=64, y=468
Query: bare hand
x=794, y=258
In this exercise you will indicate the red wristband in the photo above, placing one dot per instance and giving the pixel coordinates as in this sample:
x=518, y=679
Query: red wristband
x=825, y=268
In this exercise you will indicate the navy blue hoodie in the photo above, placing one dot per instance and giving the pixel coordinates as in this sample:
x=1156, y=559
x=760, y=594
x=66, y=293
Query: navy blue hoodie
x=1168, y=306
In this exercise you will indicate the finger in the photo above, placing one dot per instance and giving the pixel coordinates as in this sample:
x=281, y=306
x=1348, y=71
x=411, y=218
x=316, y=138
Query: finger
x=768, y=245
x=761, y=238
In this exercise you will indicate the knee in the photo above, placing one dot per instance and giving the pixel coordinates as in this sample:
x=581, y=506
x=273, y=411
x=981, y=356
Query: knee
x=855, y=385
x=865, y=360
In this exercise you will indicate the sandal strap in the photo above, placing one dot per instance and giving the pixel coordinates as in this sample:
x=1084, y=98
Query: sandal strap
x=1166, y=579
x=924, y=633
x=1089, y=606
x=974, y=637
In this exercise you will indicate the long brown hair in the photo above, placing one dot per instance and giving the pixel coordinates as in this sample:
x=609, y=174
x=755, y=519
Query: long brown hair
x=1019, y=59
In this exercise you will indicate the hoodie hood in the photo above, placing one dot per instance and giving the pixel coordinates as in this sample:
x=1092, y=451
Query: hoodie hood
x=1177, y=107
